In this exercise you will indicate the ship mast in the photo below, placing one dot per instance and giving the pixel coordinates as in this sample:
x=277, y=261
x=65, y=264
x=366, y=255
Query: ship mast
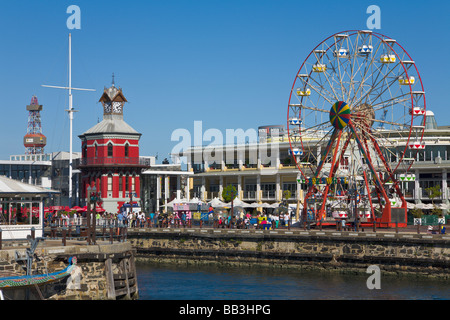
x=70, y=111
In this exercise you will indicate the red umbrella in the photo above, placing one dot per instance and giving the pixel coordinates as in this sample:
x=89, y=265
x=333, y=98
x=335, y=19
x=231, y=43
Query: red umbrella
x=99, y=209
x=77, y=209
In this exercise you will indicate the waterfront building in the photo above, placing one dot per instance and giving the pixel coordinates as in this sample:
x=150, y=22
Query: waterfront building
x=162, y=183
x=259, y=170
x=110, y=158
x=21, y=208
x=262, y=170
x=48, y=171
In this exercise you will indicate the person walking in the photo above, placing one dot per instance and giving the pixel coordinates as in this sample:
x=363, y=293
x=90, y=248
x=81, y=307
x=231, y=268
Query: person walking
x=183, y=219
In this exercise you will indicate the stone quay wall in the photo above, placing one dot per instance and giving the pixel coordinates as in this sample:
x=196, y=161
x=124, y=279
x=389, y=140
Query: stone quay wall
x=345, y=252
x=104, y=271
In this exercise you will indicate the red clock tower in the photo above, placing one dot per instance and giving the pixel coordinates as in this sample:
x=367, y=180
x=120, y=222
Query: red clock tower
x=110, y=155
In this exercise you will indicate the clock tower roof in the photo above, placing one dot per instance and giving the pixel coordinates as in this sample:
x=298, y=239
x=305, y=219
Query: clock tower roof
x=113, y=101
x=113, y=94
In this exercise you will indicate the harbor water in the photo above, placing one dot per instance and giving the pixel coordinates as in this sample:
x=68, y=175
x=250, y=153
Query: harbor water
x=162, y=282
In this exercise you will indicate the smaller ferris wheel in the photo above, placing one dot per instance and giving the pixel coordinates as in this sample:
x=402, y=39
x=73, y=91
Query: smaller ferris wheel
x=356, y=119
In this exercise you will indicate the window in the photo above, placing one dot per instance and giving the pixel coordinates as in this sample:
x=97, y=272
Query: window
x=127, y=150
x=127, y=183
x=110, y=178
x=110, y=149
x=96, y=151
x=120, y=183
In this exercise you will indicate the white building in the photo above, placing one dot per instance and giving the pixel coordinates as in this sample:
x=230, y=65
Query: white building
x=261, y=171
x=21, y=208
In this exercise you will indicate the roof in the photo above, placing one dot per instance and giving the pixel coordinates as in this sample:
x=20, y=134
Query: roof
x=113, y=94
x=111, y=124
x=11, y=187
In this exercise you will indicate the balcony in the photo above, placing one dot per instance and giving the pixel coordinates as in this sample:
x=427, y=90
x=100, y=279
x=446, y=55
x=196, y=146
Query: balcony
x=249, y=195
x=114, y=161
x=268, y=195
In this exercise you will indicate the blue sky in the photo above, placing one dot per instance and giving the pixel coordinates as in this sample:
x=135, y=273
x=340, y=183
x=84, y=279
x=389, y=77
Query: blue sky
x=230, y=64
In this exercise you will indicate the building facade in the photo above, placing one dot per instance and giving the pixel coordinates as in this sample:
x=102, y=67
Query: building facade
x=162, y=183
x=262, y=171
x=110, y=155
x=49, y=171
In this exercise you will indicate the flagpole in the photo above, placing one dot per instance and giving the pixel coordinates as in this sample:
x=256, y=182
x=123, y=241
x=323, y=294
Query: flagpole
x=70, y=120
x=70, y=111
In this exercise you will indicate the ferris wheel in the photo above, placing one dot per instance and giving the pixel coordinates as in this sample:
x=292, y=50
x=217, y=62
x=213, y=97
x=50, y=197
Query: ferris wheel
x=356, y=119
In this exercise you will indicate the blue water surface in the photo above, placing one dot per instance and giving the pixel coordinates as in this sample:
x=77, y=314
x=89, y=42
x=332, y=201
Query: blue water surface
x=157, y=282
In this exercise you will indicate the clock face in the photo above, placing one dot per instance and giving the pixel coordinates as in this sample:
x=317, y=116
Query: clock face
x=117, y=107
x=107, y=107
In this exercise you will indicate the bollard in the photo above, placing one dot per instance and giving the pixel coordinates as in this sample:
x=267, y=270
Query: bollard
x=111, y=231
x=0, y=239
x=396, y=227
x=418, y=228
x=33, y=233
x=64, y=236
x=94, y=228
x=53, y=230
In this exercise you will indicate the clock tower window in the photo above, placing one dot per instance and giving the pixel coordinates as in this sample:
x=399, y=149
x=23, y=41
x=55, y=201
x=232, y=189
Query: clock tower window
x=127, y=154
x=110, y=149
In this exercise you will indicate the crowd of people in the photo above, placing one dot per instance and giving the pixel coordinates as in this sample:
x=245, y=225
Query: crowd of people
x=131, y=219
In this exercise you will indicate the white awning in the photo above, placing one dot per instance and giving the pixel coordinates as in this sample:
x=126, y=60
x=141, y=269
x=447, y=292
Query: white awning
x=10, y=188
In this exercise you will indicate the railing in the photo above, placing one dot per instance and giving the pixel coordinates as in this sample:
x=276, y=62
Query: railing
x=268, y=194
x=249, y=195
x=133, y=161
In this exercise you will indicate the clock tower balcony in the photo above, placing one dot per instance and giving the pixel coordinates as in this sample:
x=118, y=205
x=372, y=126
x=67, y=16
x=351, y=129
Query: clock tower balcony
x=114, y=162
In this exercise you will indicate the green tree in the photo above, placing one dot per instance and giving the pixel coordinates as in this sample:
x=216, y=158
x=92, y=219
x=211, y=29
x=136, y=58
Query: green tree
x=229, y=193
x=433, y=193
x=286, y=196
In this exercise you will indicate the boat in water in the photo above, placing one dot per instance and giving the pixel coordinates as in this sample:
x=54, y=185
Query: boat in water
x=20, y=287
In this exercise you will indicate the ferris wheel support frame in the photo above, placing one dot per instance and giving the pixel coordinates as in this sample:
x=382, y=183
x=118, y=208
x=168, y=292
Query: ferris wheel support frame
x=386, y=218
